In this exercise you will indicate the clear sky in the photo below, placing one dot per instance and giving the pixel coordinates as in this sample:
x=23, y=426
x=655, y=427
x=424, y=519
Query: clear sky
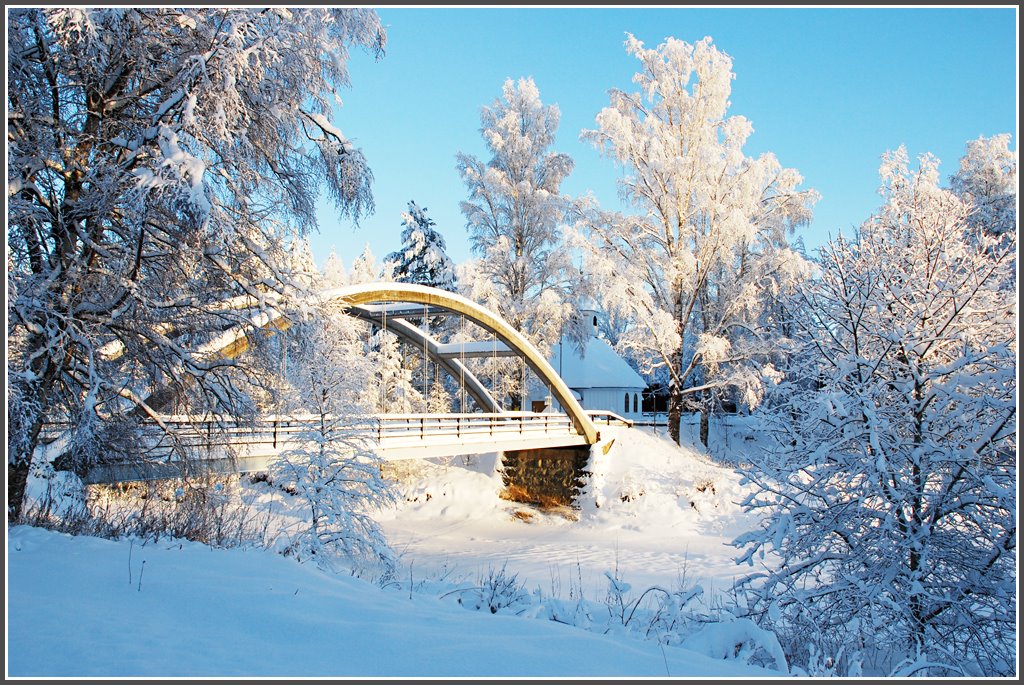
x=828, y=90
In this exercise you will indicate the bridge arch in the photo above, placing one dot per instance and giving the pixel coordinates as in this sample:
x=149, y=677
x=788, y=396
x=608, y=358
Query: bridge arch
x=354, y=296
x=419, y=339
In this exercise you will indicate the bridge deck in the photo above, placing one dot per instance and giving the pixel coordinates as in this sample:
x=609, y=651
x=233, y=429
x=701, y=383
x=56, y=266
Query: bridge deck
x=253, y=447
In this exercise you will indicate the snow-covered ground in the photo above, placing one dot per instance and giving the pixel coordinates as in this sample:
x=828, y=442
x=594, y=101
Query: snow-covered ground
x=660, y=514
x=653, y=515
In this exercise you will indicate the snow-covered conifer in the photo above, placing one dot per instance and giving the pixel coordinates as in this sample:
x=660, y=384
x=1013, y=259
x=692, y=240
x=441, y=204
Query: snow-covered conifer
x=365, y=268
x=334, y=271
x=440, y=399
x=422, y=258
x=391, y=389
x=303, y=273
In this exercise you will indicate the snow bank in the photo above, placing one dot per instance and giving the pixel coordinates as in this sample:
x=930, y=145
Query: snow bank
x=87, y=607
x=651, y=515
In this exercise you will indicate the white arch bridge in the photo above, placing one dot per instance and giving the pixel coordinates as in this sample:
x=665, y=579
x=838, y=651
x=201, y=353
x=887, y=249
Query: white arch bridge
x=231, y=446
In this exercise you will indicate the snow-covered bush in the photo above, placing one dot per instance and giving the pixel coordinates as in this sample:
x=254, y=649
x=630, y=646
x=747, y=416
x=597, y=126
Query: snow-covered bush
x=656, y=612
x=740, y=639
x=341, y=484
x=213, y=510
x=330, y=465
x=496, y=590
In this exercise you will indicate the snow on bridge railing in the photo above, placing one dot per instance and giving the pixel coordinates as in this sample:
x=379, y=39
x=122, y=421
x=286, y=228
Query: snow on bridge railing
x=171, y=431
x=425, y=426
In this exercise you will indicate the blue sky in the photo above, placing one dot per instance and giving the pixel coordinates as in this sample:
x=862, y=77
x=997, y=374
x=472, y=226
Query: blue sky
x=828, y=90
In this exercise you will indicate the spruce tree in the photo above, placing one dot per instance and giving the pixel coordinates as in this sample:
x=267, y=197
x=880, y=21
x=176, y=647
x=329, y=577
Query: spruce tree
x=422, y=258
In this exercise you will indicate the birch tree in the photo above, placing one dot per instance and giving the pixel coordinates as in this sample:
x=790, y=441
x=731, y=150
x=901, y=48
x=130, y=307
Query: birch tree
x=889, y=503
x=691, y=269
x=987, y=179
x=160, y=160
x=514, y=215
x=515, y=209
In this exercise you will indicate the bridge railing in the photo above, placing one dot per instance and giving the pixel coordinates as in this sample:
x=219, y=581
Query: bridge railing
x=402, y=427
x=281, y=431
x=608, y=418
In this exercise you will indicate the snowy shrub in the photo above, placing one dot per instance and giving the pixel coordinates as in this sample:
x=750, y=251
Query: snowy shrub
x=496, y=591
x=656, y=613
x=55, y=499
x=210, y=510
x=329, y=464
x=740, y=639
x=341, y=485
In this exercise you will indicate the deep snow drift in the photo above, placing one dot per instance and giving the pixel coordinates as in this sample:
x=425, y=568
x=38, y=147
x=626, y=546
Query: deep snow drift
x=653, y=514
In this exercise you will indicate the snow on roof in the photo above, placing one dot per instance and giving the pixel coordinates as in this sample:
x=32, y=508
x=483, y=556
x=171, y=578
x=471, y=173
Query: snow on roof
x=600, y=367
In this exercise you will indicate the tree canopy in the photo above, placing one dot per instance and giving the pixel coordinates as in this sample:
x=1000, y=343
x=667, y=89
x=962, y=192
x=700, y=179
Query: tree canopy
x=160, y=161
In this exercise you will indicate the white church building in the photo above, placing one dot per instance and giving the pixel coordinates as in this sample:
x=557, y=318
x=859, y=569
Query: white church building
x=599, y=378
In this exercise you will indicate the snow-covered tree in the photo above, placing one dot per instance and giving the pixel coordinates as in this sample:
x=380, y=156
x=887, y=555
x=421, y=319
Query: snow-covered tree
x=987, y=179
x=391, y=389
x=334, y=271
x=365, y=268
x=515, y=212
x=331, y=466
x=422, y=258
x=160, y=159
x=691, y=272
x=440, y=399
x=889, y=504
x=302, y=266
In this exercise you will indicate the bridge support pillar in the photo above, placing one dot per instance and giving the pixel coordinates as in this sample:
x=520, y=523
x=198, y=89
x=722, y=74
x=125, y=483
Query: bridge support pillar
x=547, y=477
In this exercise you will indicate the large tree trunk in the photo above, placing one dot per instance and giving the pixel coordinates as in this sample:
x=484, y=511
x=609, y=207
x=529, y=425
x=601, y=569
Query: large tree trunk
x=675, y=398
x=17, y=479
x=19, y=458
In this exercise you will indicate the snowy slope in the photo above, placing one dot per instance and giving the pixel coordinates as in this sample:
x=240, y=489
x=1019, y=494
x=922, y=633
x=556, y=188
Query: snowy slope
x=81, y=606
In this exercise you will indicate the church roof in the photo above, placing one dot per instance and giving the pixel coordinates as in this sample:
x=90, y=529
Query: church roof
x=600, y=366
